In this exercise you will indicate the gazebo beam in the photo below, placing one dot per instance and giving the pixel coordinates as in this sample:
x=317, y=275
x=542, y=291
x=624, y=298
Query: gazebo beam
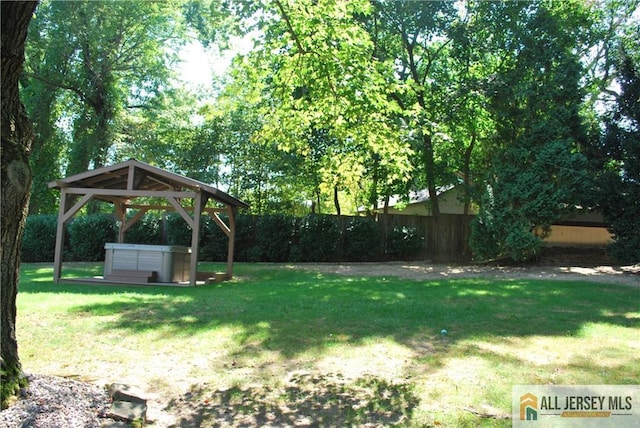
x=131, y=193
x=121, y=215
x=225, y=229
x=181, y=210
x=74, y=209
x=133, y=220
x=208, y=210
x=121, y=211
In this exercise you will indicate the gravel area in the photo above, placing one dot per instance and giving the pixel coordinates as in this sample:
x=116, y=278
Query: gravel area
x=54, y=402
x=604, y=273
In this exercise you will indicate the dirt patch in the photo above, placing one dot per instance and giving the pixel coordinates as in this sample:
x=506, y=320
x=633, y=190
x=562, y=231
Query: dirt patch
x=605, y=273
x=305, y=400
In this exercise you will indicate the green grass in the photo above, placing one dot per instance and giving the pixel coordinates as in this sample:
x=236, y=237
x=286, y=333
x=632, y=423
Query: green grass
x=251, y=335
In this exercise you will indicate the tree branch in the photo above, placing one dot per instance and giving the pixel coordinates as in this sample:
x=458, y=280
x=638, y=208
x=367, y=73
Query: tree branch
x=54, y=84
x=287, y=21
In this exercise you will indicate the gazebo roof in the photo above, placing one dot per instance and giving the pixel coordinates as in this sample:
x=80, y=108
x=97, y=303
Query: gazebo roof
x=132, y=178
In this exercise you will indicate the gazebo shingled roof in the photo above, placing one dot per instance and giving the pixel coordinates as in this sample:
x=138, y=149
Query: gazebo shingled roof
x=121, y=183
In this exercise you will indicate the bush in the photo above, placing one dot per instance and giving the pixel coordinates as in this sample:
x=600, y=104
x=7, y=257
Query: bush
x=147, y=230
x=213, y=241
x=88, y=234
x=39, y=239
x=245, y=237
x=404, y=241
x=273, y=237
x=362, y=239
x=626, y=247
x=177, y=231
x=318, y=239
x=485, y=240
x=523, y=245
x=269, y=238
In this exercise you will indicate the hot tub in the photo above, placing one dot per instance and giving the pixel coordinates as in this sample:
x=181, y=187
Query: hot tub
x=169, y=262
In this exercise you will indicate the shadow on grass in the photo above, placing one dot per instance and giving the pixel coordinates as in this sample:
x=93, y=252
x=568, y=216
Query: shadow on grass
x=306, y=400
x=292, y=311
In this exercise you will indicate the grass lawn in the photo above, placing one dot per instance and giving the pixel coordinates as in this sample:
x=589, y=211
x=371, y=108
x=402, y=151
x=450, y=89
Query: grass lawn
x=279, y=344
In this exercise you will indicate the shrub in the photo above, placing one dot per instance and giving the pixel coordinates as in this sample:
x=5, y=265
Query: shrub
x=318, y=238
x=177, y=231
x=362, y=239
x=39, y=239
x=88, y=234
x=404, y=241
x=273, y=237
x=522, y=244
x=213, y=241
x=626, y=247
x=245, y=237
x=147, y=230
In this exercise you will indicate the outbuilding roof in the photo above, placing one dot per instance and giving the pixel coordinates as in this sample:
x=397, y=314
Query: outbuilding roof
x=133, y=178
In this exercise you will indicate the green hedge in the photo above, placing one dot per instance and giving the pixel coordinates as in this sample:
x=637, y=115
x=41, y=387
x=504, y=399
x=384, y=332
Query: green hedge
x=273, y=238
x=88, y=234
x=176, y=230
x=39, y=240
x=245, y=237
x=268, y=238
x=404, y=242
x=147, y=230
x=213, y=241
x=318, y=238
x=362, y=239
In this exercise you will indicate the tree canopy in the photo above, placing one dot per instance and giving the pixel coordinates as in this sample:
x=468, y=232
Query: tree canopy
x=340, y=105
x=88, y=65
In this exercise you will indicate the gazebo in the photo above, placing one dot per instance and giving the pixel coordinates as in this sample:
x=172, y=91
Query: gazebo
x=123, y=183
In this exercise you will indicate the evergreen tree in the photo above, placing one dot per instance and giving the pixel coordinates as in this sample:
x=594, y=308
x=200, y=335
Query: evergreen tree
x=619, y=182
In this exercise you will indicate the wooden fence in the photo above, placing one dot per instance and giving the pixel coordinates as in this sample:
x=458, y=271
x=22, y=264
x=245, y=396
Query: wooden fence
x=445, y=240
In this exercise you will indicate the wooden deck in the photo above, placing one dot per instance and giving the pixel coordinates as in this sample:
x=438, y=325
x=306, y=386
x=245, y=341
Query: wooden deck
x=204, y=278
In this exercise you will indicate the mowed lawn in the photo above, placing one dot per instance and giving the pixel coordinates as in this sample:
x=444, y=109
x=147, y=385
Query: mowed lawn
x=282, y=344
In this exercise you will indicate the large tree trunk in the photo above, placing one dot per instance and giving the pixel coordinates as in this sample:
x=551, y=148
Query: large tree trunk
x=17, y=136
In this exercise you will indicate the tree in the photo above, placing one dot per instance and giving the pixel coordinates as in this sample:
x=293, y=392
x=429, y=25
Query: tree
x=48, y=55
x=167, y=133
x=385, y=80
x=315, y=71
x=614, y=153
x=535, y=173
x=414, y=38
x=88, y=64
x=17, y=136
x=618, y=183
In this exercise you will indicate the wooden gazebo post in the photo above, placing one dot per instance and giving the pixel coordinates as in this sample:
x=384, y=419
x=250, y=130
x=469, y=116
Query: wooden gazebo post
x=64, y=214
x=232, y=211
x=199, y=202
